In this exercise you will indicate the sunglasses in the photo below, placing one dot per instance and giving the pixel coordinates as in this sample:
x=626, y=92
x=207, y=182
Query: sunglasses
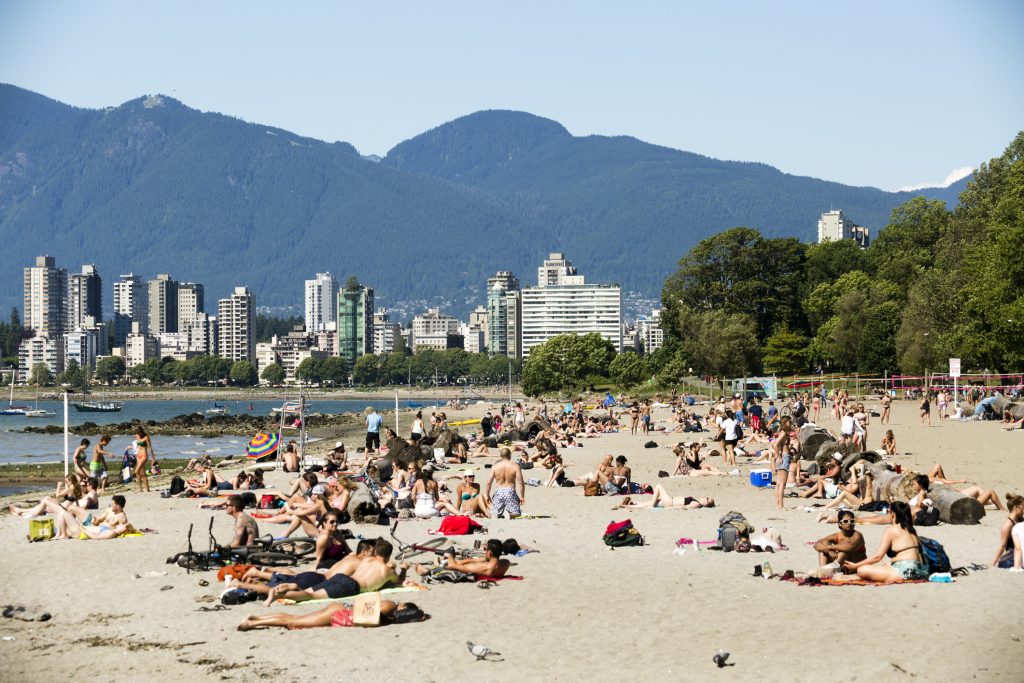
x=846, y=521
x=332, y=521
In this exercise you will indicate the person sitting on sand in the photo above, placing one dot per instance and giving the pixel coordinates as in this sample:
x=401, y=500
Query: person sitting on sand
x=689, y=462
x=468, y=495
x=207, y=485
x=663, y=499
x=75, y=522
x=491, y=566
x=901, y=544
x=888, y=444
x=371, y=574
x=246, y=530
x=69, y=489
x=620, y=480
x=391, y=612
x=845, y=545
x=205, y=460
x=1010, y=542
x=88, y=501
x=303, y=514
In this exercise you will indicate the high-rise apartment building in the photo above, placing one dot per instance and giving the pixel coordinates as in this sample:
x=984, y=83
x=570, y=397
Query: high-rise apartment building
x=321, y=303
x=649, y=335
x=83, y=345
x=504, y=315
x=129, y=307
x=163, y=304
x=435, y=330
x=46, y=298
x=203, y=335
x=385, y=332
x=85, y=299
x=563, y=303
x=48, y=351
x=190, y=304
x=834, y=226
x=236, y=326
x=140, y=346
x=355, y=321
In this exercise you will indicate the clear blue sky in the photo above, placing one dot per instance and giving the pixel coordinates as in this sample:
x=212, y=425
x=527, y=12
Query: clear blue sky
x=888, y=94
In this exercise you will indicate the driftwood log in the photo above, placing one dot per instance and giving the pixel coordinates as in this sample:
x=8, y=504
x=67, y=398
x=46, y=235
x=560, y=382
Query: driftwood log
x=954, y=507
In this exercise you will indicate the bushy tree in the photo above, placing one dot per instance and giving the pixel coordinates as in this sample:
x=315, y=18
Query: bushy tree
x=310, y=371
x=243, y=373
x=564, y=362
x=273, y=374
x=785, y=352
x=110, y=369
x=721, y=343
x=334, y=370
x=40, y=375
x=628, y=369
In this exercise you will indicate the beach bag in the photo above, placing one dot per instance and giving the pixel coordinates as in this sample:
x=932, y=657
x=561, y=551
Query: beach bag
x=651, y=444
x=235, y=571
x=592, y=488
x=732, y=526
x=40, y=529
x=934, y=555
x=458, y=525
x=621, y=534
x=269, y=502
x=177, y=486
x=927, y=516
x=446, y=575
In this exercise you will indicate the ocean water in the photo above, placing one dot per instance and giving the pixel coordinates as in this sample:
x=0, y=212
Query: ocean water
x=39, y=448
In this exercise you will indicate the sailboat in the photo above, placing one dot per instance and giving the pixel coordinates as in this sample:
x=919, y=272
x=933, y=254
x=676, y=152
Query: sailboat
x=37, y=412
x=12, y=409
x=217, y=409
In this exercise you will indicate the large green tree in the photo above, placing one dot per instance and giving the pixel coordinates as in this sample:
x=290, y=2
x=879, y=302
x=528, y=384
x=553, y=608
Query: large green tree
x=273, y=374
x=110, y=369
x=720, y=343
x=785, y=352
x=628, y=369
x=243, y=373
x=565, y=362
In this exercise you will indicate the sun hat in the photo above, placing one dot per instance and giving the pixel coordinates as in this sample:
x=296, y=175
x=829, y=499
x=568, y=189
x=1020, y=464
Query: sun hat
x=469, y=473
x=319, y=489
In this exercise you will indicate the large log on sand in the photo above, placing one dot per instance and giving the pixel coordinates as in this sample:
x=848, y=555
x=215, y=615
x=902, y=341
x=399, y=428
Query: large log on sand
x=954, y=507
x=811, y=438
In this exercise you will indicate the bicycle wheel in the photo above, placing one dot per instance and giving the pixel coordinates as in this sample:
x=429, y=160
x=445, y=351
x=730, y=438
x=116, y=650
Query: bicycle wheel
x=272, y=559
x=298, y=547
x=199, y=562
x=427, y=546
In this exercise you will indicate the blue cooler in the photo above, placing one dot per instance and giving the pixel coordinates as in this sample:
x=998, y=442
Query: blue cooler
x=761, y=478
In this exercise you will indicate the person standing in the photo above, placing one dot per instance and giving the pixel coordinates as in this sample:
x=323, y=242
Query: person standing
x=98, y=465
x=510, y=489
x=886, y=407
x=487, y=425
x=926, y=408
x=143, y=452
x=373, y=423
x=780, y=463
x=417, y=426
x=730, y=438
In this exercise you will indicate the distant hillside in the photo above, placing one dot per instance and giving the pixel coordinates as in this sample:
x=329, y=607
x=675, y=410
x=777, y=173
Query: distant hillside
x=154, y=186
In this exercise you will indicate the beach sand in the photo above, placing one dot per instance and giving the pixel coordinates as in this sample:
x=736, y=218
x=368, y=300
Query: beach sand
x=120, y=613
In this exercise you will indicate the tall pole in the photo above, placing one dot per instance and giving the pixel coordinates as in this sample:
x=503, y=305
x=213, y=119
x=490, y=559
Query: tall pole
x=396, y=411
x=66, y=434
x=509, y=382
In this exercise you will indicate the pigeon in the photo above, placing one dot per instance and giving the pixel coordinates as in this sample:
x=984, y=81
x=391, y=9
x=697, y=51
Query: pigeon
x=720, y=658
x=481, y=651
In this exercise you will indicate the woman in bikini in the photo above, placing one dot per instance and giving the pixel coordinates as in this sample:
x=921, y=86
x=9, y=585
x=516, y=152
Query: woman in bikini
x=1008, y=543
x=886, y=407
x=427, y=497
x=330, y=542
x=663, y=499
x=901, y=544
x=144, y=450
x=888, y=443
x=781, y=457
x=689, y=462
x=468, y=495
x=926, y=409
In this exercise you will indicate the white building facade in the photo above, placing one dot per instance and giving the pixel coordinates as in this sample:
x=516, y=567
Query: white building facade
x=236, y=326
x=321, y=306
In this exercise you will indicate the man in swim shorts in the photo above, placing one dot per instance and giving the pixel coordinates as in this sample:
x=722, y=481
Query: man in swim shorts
x=510, y=491
x=370, y=574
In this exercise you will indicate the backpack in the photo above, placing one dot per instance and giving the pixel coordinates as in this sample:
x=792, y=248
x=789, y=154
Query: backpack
x=269, y=502
x=934, y=555
x=733, y=526
x=458, y=525
x=177, y=486
x=927, y=516
x=592, y=488
x=621, y=534
x=651, y=444
x=739, y=431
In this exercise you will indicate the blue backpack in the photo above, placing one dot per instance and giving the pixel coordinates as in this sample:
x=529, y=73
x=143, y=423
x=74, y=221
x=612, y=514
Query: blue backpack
x=934, y=555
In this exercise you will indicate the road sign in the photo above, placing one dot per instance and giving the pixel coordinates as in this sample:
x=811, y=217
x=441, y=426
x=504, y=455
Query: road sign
x=954, y=367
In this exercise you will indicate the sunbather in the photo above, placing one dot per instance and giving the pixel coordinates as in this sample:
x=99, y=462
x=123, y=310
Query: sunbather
x=663, y=499
x=372, y=573
x=845, y=545
x=491, y=566
x=689, y=462
x=390, y=613
x=262, y=581
x=1009, y=552
x=901, y=544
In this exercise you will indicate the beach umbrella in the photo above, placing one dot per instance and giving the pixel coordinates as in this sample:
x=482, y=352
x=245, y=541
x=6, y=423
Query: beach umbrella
x=262, y=445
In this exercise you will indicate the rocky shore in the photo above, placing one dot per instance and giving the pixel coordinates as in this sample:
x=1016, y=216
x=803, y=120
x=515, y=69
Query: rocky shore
x=200, y=425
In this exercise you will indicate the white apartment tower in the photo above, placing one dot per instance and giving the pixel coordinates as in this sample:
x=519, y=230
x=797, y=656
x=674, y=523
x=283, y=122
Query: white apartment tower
x=321, y=297
x=190, y=304
x=236, y=326
x=563, y=303
x=46, y=298
x=129, y=307
x=834, y=226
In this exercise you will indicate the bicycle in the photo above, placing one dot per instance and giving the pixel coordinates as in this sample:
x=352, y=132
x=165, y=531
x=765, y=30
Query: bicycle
x=264, y=551
x=407, y=551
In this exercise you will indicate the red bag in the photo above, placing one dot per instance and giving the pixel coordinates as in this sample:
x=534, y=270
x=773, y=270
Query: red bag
x=615, y=527
x=458, y=525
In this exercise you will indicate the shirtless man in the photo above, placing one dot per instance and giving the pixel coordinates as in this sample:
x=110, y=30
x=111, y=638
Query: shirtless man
x=845, y=545
x=246, y=530
x=262, y=581
x=78, y=523
x=370, y=574
x=491, y=566
x=510, y=489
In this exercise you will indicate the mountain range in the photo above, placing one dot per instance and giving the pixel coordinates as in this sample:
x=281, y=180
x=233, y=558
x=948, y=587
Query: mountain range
x=153, y=186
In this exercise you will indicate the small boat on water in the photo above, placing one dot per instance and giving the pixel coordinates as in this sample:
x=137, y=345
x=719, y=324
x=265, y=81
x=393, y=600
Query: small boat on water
x=217, y=410
x=39, y=412
x=12, y=409
x=98, y=406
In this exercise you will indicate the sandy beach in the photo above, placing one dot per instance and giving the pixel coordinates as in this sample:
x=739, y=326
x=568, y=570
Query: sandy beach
x=120, y=613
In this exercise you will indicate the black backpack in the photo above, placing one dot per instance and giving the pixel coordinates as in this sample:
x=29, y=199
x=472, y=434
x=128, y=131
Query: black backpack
x=622, y=534
x=927, y=516
x=177, y=486
x=934, y=555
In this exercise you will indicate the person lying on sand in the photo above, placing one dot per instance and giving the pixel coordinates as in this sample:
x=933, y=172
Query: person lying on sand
x=77, y=523
x=371, y=574
x=845, y=545
x=390, y=613
x=263, y=581
x=491, y=566
x=663, y=499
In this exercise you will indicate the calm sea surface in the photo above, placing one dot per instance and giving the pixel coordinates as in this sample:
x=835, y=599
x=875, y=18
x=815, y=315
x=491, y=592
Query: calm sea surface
x=39, y=448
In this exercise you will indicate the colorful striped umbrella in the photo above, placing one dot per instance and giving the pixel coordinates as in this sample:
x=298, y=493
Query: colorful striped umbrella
x=263, y=445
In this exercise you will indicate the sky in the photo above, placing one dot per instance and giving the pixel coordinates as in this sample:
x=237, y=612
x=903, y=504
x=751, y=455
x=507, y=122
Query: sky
x=888, y=94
